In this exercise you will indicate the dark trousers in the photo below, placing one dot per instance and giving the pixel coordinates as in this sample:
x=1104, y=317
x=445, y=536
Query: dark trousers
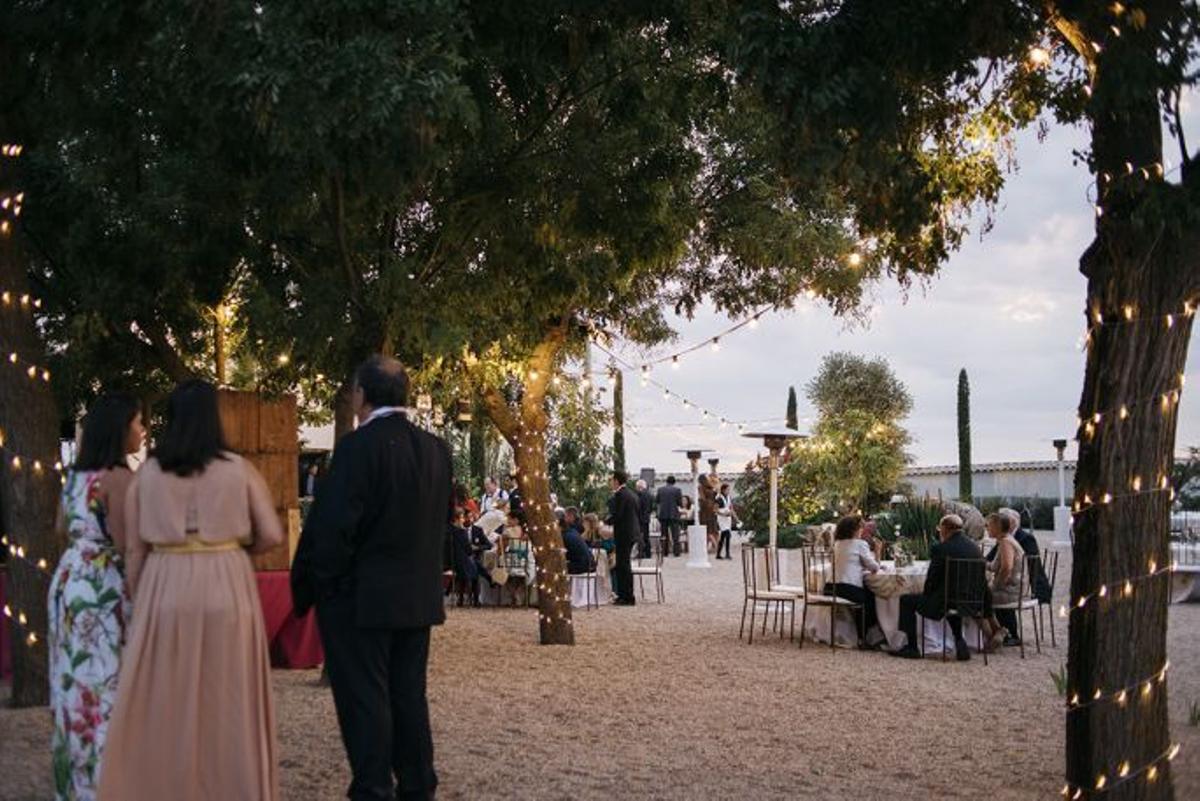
x=726, y=537
x=670, y=535
x=622, y=573
x=378, y=681
x=865, y=619
x=644, y=550
x=912, y=605
x=1008, y=619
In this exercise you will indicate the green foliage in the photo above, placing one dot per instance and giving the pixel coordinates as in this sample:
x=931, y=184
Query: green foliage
x=1059, y=678
x=796, y=506
x=855, y=457
x=964, y=437
x=1038, y=510
x=793, y=421
x=911, y=526
x=788, y=537
x=578, y=461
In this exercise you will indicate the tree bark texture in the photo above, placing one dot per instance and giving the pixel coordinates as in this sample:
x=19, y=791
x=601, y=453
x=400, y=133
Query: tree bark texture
x=525, y=427
x=1143, y=271
x=28, y=493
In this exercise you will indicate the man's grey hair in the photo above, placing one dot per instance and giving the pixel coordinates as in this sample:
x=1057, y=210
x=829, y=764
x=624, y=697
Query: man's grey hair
x=641, y=484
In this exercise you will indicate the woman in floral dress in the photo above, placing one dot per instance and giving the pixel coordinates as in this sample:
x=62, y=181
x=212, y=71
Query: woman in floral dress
x=88, y=601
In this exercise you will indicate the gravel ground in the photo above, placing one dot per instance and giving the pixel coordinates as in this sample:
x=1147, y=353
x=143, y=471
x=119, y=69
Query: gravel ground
x=665, y=702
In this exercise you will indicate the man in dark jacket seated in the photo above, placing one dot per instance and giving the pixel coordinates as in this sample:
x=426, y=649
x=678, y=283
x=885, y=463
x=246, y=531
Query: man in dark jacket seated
x=1040, y=582
x=579, y=555
x=466, y=571
x=931, y=603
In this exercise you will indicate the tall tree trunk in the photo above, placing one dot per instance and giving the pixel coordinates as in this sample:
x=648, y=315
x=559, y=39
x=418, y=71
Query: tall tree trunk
x=964, y=437
x=525, y=428
x=1143, y=271
x=28, y=493
x=618, y=419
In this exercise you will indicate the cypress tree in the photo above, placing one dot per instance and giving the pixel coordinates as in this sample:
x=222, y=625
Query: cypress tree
x=792, y=421
x=964, y=437
x=618, y=420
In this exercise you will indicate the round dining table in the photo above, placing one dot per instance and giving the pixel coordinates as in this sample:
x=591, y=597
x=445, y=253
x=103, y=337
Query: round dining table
x=888, y=585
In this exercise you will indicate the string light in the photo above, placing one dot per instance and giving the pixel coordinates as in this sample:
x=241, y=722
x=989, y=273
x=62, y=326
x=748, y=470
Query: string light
x=713, y=342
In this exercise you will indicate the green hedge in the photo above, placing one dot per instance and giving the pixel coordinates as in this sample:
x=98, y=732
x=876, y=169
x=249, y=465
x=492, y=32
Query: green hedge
x=1041, y=510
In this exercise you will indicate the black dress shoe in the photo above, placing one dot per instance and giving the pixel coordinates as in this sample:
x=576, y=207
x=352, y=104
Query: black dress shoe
x=961, y=652
x=1011, y=641
x=624, y=602
x=907, y=653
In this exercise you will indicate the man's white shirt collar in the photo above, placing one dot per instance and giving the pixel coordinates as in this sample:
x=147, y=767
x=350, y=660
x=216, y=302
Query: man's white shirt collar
x=382, y=411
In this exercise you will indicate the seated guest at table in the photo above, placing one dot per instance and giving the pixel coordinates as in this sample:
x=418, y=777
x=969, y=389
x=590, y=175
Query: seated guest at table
x=461, y=562
x=1005, y=578
x=479, y=543
x=571, y=519
x=931, y=603
x=852, y=558
x=579, y=555
x=687, y=512
x=1029, y=544
x=462, y=498
x=593, y=533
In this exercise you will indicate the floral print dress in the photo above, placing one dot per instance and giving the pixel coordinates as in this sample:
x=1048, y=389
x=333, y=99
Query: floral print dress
x=89, y=607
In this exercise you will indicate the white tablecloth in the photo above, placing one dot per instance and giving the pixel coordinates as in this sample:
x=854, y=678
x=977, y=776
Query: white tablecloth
x=889, y=584
x=581, y=589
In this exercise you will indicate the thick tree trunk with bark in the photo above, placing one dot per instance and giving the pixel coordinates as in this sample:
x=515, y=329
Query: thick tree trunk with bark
x=541, y=526
x=29, y=488
x=525, y=427
x=1143, y=271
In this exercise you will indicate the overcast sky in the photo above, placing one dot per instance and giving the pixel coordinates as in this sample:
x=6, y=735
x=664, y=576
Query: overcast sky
x=1007, y=307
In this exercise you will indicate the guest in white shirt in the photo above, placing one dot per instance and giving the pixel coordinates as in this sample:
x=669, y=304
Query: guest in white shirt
x=492, y=495
x=852, y=559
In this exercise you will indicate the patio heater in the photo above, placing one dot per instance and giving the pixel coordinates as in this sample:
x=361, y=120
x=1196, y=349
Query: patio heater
x=775, y=440
x=697, y=534
x=1062, y=512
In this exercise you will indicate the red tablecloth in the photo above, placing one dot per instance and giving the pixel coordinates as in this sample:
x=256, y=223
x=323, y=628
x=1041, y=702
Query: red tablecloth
x=5, y=641
x=294, y=641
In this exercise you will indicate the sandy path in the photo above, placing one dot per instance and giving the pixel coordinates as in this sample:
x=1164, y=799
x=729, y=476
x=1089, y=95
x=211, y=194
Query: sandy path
x=665, y=702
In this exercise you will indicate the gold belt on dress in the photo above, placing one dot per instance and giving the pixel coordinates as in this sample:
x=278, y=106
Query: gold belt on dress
x=193, y=544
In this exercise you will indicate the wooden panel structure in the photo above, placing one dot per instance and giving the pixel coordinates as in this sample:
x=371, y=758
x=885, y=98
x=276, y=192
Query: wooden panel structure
x=266, y=433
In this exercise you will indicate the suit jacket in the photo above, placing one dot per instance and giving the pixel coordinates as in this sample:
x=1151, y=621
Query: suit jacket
x=460, y=553
x=377, y=527
x=579, y=555
x=623, y=516
x=645, y=509
x=957, y=547
x=670, y=498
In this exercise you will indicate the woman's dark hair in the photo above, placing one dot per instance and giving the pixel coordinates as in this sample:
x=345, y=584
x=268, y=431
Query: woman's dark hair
x=193, y=435
x=105, y=432
x=847, y=527
x=383, y=382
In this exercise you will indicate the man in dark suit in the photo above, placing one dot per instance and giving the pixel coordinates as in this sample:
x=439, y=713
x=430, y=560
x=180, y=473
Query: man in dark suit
x=579, y=554
x=645, y=510
x=931, y=603
x=370, y=559
x=623, y=517
x=670, y=498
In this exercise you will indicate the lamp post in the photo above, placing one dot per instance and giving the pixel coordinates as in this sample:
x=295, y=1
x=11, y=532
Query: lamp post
x=1062, y=512
x=697, y=534
x=775, y=441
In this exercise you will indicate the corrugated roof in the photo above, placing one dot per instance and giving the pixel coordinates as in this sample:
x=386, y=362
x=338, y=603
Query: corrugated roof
x=989, y=467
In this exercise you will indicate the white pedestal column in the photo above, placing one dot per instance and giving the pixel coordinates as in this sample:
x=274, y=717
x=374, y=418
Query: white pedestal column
x=698, y=546
x=1062, y=523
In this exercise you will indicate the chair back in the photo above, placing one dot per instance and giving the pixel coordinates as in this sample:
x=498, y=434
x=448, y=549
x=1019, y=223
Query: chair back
x=516, y=562
x=656, y=552
x=755, y=569
x=966, y=586
x=819, y=569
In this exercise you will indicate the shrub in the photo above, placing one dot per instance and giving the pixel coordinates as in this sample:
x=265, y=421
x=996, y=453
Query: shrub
x=1036, y=512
